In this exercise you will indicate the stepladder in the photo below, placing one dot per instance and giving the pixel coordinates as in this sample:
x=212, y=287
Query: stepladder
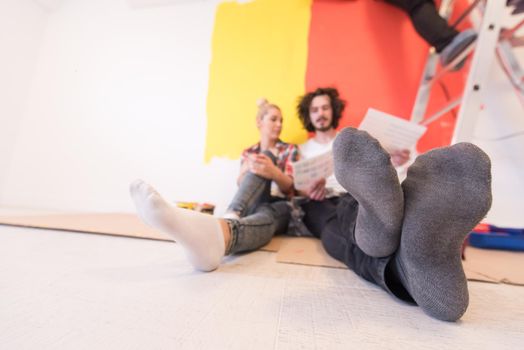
x=492, y=41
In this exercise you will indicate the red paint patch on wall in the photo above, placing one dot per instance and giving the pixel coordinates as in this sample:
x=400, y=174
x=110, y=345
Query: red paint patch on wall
x=371, y=53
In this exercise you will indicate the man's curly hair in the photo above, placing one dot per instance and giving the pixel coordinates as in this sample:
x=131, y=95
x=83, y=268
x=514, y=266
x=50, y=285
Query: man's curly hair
x=337, y=105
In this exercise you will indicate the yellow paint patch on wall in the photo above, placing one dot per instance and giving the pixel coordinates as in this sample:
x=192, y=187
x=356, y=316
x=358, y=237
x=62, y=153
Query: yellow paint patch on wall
x=259, y=49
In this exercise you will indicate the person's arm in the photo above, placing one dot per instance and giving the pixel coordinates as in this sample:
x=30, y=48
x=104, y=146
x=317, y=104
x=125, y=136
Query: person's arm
x=262, y=165
x=283, y=181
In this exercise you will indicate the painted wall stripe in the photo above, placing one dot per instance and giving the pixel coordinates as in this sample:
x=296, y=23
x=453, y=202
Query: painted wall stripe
x=259, y=49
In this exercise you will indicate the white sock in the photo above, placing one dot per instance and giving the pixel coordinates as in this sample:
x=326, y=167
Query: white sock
x=200, y=234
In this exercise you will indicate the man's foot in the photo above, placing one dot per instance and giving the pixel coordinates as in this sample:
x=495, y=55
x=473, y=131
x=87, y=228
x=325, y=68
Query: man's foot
x=447, y=192
x=459, y=43
x=364, y=169
x=200, y=234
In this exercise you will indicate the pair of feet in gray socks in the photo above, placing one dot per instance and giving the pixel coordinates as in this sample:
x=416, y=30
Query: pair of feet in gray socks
x=423, y=222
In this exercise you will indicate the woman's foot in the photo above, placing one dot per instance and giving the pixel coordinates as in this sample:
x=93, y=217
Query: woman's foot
x=201, y=235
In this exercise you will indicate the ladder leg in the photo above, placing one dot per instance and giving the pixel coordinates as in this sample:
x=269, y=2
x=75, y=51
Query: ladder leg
x=479, y=71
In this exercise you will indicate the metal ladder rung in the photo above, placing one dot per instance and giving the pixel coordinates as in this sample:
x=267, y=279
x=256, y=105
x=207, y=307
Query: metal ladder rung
x=456, y=102
x=517, y=41
x=446, y=69
x=466, y=13
x=510, y=64
x=428, y=77
x=509, y=34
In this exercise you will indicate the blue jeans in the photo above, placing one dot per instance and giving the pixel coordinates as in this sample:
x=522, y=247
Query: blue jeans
x=253, y=191
x=261, y=215
x=256, y=230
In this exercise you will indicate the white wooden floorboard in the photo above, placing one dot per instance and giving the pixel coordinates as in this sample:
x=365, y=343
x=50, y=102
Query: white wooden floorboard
x=62, y=290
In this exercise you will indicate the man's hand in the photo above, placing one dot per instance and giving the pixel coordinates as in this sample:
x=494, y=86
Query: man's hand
x=262, y=165
x=317, y=191
x=399, y=157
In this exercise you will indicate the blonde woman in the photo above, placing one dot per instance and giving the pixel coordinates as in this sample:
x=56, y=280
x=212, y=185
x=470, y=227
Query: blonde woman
x=265, y=171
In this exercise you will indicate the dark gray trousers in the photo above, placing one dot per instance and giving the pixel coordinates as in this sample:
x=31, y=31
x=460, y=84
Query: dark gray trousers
x=427, y=22
x=335, y=219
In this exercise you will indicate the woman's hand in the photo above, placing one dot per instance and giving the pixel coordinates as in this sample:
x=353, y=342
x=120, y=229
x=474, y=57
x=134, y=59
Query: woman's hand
x=262, y=165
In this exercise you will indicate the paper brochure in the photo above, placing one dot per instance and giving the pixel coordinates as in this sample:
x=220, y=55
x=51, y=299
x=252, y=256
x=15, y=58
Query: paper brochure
x=307, y=171
x=392, y=132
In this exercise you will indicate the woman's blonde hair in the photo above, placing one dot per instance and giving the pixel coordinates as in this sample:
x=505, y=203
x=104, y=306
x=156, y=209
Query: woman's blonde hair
x=263, y=107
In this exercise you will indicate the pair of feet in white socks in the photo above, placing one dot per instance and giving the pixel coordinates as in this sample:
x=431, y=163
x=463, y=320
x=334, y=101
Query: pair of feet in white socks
x=203, y=236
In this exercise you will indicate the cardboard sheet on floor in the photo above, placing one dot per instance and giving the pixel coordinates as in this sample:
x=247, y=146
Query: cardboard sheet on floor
x=274, y=245
x=306, y=251
x=497, y=266
x=481, y=264
x=115, y=224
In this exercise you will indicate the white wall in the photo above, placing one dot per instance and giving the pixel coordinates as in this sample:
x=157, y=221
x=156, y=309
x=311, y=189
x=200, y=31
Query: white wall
x=22, y=25
x=119, y=92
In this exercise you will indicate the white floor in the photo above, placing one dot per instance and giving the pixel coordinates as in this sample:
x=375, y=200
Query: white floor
x=61, y=290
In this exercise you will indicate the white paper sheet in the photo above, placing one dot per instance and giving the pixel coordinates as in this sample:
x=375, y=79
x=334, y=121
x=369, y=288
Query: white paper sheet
x=392, y=132
x=307, y=171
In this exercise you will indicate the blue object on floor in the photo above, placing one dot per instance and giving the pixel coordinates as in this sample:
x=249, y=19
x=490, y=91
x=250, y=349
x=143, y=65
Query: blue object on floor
x=511, y=231
x=498, y=238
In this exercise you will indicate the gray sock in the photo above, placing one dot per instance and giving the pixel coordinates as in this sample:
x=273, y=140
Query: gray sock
x=364, y=169
x=447, y=192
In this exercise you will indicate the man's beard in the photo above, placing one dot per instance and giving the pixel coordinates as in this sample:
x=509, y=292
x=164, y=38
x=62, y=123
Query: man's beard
x=324, y=128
